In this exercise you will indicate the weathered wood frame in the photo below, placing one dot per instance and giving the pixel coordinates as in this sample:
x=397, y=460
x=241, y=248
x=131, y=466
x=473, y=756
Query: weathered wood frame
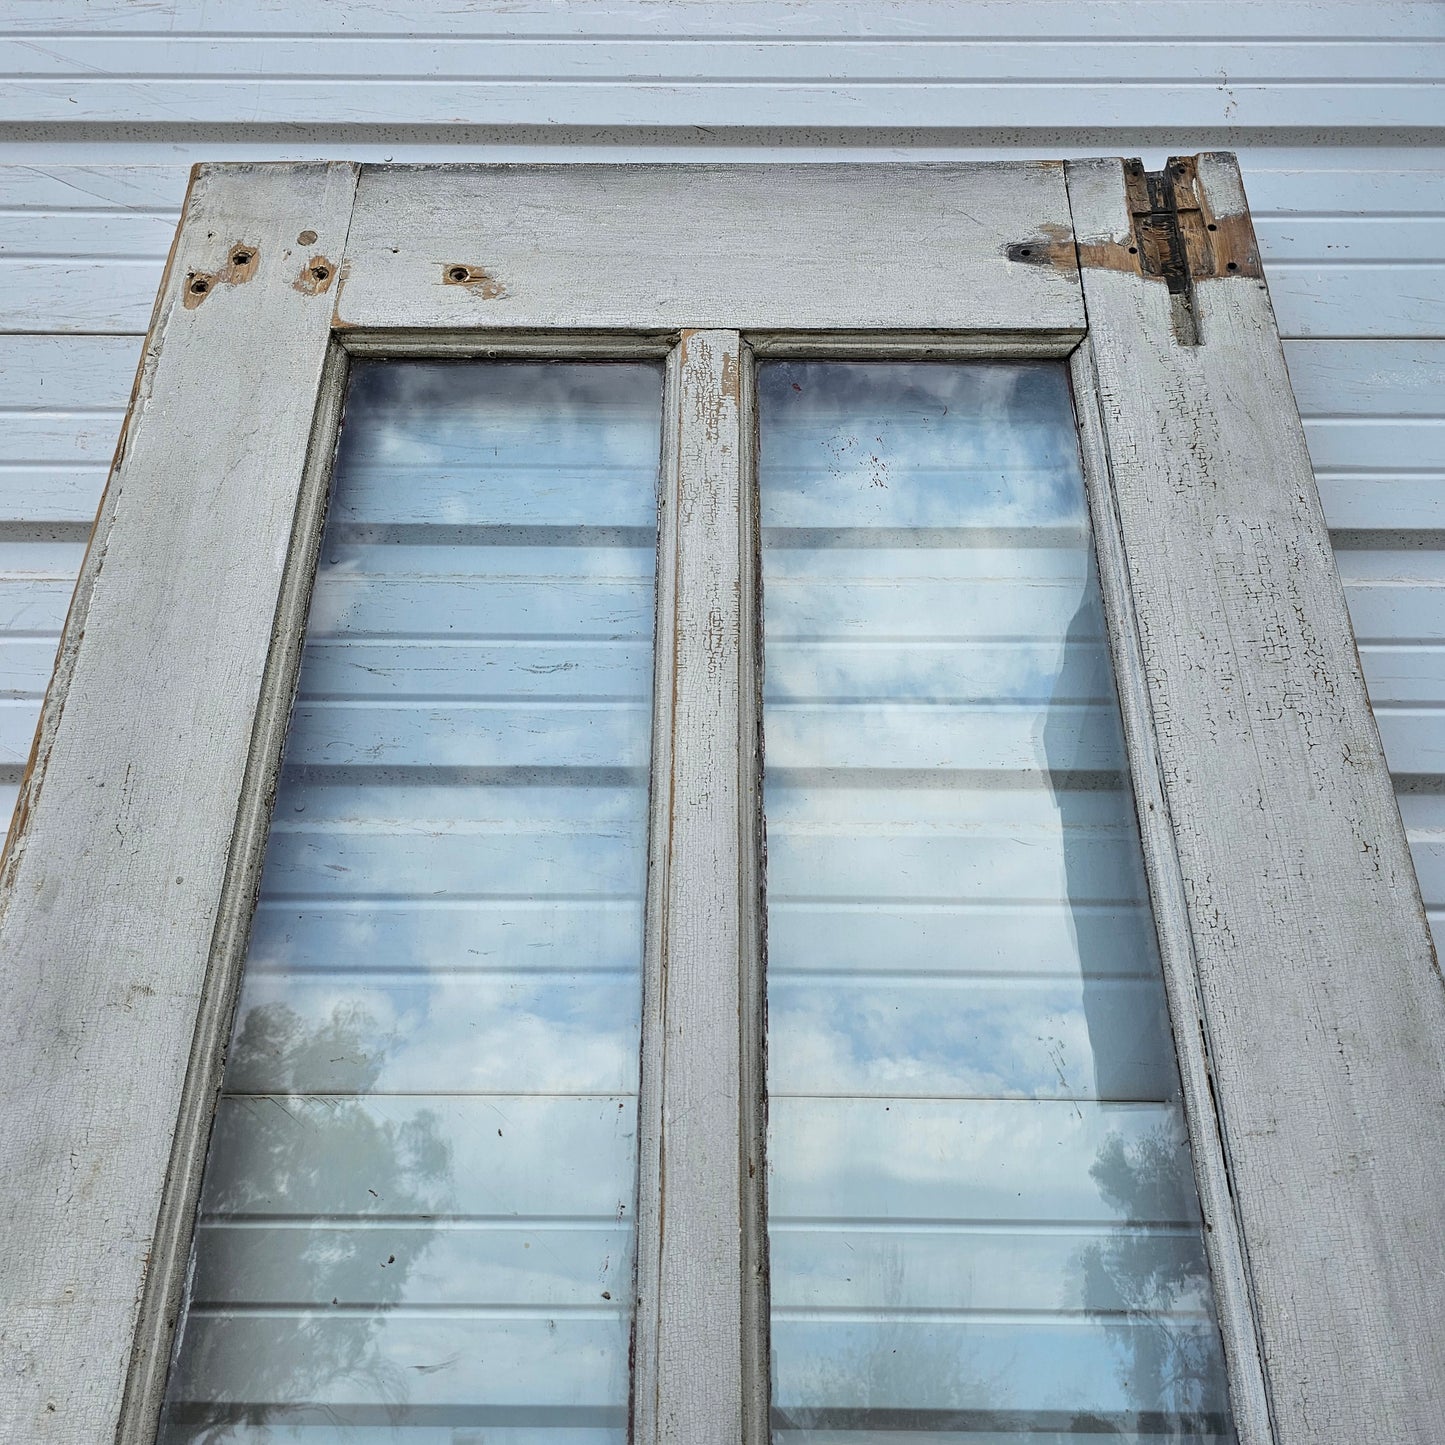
x=1313, y=1087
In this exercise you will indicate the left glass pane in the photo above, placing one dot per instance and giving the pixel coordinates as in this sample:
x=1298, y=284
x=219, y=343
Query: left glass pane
x=417, y=1216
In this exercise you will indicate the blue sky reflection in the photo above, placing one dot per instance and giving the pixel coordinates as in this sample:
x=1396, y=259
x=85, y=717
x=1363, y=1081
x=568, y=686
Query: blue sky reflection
x=982, y=1208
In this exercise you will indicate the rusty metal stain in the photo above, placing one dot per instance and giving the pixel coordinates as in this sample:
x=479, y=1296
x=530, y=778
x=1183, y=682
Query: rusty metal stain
x=316, y=276
x=476, y=279
x=242, y=262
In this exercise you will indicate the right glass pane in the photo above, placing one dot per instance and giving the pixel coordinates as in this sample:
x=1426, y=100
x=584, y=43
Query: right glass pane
x=982, y=1212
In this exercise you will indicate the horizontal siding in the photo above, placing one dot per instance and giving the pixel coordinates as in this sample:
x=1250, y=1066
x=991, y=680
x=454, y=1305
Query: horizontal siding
x=663, y=20
x=1335, y=109
x=507, y=81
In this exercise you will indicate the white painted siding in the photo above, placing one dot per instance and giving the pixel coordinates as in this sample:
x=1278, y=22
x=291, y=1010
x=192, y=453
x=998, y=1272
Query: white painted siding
x=1336, y=109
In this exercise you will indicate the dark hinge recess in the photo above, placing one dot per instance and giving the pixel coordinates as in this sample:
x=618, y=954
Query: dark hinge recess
x=1178, y=234
x=1182, y=239
x=1159, y=234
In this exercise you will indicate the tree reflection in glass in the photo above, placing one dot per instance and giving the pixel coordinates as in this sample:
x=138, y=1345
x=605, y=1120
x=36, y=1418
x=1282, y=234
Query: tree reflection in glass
x=416, y=1220
x=982, y=1212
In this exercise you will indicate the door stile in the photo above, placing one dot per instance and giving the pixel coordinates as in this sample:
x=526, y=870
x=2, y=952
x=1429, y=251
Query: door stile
x=1322, y=1010
x=1169, y=903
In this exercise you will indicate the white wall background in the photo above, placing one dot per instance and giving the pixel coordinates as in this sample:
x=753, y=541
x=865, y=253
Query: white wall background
x=1337, y=111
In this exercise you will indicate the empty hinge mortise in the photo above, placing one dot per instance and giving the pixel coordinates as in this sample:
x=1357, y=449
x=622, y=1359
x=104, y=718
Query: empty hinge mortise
x=1181, y=240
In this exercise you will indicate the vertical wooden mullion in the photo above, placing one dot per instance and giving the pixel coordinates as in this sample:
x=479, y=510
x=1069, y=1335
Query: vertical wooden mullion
x=690, y=1376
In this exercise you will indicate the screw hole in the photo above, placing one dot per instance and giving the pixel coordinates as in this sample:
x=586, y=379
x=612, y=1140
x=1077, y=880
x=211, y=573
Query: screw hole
x=1213, y=227
x=1133, y=250
x=320, y=272
x=240, y=258
x=459, y=273
x=200, y=286
x=1232, y=266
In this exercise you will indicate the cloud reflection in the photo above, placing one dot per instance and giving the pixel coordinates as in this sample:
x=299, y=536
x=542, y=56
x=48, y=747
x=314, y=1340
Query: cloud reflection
x=417, y=1211
x=973, y=1090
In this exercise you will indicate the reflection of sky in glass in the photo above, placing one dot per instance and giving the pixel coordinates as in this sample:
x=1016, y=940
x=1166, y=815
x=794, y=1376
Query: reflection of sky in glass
x=982, y=1212
x=416, y=1223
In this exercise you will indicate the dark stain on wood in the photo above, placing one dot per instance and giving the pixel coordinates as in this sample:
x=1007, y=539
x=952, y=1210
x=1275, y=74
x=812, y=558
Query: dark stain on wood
x=1052, y=247
x=1177, y=236
x=476, y=279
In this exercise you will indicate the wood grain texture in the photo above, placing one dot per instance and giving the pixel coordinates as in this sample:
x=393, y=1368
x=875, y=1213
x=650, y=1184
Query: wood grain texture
x=690, y=1372
x=1323, y=1008
x=114, y=870
x=746, y=246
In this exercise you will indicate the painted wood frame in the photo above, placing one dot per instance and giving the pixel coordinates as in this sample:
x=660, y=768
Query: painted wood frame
x=1307, y=1007
x=1320, y=1005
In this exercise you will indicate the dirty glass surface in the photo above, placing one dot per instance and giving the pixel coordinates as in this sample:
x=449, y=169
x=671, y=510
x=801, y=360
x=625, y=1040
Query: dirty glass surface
x=416, y=1222
x=983, y=1220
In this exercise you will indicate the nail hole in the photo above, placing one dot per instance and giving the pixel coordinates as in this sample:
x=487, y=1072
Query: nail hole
x=460, y=273
x=1232, y=266
x=241, y=258
x=1133, y=250
x=1026, y=251
x=200, y=286
x=320, y=272
x=1213, y=227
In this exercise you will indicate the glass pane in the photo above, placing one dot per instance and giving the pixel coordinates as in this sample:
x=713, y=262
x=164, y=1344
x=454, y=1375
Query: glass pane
x=983, y=1219
x=416, y=1223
